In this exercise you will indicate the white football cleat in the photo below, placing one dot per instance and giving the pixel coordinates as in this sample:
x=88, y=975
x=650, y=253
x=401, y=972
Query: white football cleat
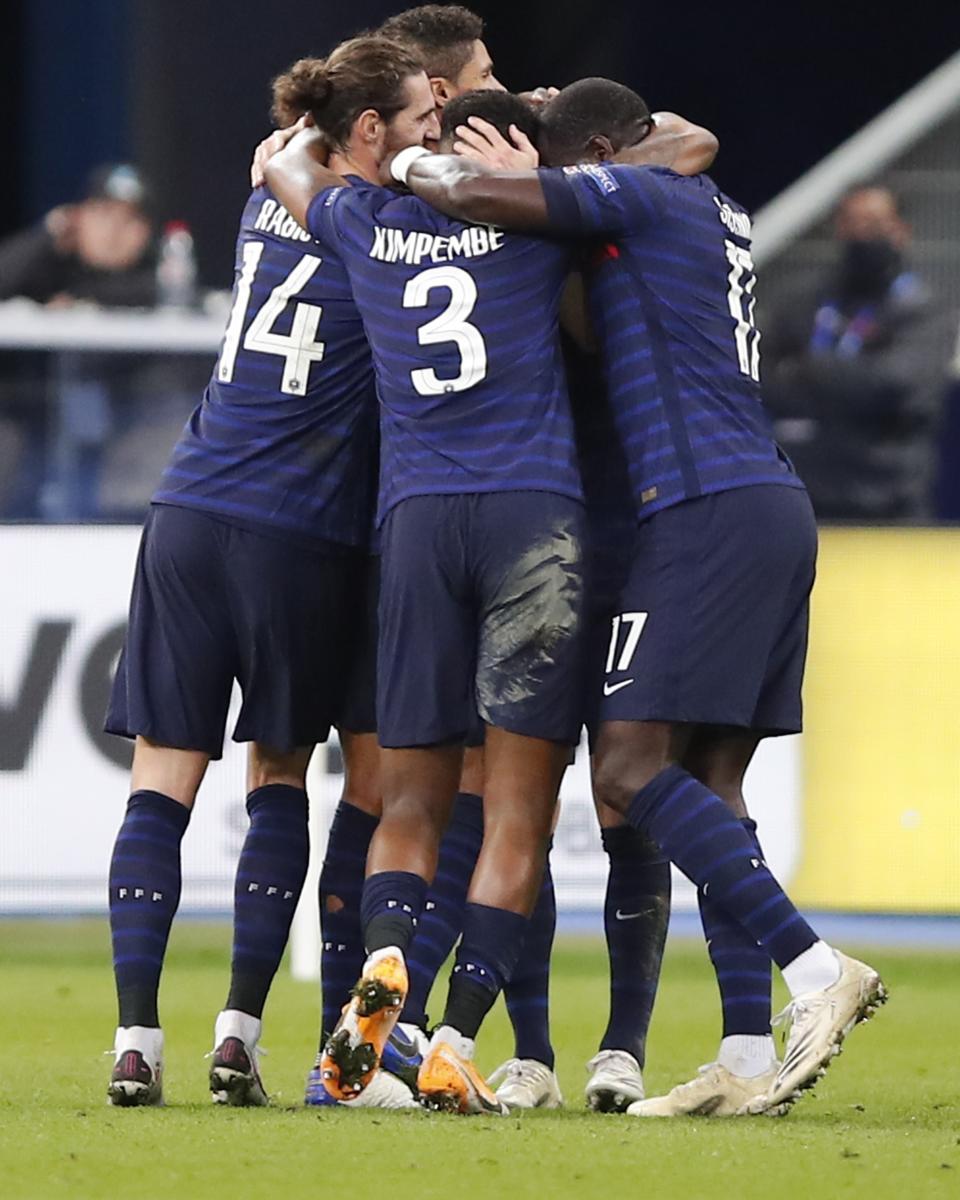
x=819, y=1021
x=615, y=1082
x=235, y=1074
x=384, y=1091
x=526, y=1083
x=716, y=1092
x=137, y=1077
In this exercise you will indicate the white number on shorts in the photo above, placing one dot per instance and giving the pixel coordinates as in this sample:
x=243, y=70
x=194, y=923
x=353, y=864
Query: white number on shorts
x=298, y=348
x=741, y=301
x=636, y=622
x=450, y=326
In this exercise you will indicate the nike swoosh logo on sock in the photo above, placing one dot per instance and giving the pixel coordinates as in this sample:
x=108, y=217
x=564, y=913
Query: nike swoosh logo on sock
x=644, y=912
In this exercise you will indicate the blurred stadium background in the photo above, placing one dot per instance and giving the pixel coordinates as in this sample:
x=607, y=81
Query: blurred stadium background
x=861, y=816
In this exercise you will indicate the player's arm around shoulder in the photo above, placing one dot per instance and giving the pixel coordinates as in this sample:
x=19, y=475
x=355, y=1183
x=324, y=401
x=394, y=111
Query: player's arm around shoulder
x=298, y=173
x=487, y=181
x=676, y=143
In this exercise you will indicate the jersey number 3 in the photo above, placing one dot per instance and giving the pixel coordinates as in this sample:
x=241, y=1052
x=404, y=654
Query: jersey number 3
x=298, y=348
x=450, y=326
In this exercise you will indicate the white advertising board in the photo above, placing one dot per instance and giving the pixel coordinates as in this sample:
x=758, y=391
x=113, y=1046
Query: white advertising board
x=63, y=782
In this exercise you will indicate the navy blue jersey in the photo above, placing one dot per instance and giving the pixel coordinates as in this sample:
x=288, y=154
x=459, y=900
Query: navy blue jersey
x=607, y=493
x=462, y=321
x=672, y=301
x=285, y=437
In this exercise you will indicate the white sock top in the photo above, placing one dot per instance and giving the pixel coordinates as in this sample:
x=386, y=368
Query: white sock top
x=463, y=1046
x=747, y=1054
x=812, y=971
x=234, y=1023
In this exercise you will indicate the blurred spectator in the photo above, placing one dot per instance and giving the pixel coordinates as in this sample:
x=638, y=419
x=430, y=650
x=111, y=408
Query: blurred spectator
x=84, y=435
x=100, y=250
x=854, y=371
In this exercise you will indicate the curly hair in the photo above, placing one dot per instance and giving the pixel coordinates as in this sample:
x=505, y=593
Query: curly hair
x=442, y=34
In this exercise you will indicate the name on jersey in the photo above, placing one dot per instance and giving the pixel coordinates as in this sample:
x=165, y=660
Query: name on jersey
x=737, y=222
x=413, y=248
x=274, y=218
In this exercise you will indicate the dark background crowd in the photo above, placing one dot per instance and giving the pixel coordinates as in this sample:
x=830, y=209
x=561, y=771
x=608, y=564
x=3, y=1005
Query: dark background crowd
x=856, y=356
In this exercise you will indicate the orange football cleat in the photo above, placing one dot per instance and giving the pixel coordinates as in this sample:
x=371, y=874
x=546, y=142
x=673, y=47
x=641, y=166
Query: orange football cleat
x=351, y=1057
x=448, y=1082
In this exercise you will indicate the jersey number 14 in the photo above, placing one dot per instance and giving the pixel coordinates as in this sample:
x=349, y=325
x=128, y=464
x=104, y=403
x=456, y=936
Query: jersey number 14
x=299, y=348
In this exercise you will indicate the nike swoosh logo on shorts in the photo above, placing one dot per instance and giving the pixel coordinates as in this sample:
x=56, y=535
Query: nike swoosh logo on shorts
x=610, y=688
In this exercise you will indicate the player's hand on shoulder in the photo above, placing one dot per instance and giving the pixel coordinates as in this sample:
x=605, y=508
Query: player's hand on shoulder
x=484, y=143
x=272, y=145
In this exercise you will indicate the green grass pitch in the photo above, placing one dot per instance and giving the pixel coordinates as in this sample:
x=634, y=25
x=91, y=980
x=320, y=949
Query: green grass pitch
x=885, y=1121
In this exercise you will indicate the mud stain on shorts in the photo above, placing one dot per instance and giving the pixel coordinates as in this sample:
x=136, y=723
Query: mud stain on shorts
x=533, y=621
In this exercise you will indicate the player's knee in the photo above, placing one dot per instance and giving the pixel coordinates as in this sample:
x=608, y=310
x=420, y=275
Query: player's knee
x=522, y=827
x=410, y=810
x=618, y=774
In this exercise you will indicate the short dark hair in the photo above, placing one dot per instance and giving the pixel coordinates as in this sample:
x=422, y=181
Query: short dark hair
x=501, y=109
x=588, y=108
x=364, y=72
x=442, y=34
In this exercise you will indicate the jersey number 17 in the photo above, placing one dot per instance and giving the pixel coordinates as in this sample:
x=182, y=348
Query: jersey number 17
x=741, y=301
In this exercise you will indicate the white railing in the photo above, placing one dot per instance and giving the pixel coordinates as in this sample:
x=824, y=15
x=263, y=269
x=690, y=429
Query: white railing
x=861, y=156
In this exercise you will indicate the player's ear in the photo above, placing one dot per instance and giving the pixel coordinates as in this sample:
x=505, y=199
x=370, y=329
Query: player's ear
x=442, y=89
x=368, y=125
x=600, y=148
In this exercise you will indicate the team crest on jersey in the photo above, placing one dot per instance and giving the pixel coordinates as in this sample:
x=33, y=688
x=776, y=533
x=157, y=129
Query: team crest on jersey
x=598, y=175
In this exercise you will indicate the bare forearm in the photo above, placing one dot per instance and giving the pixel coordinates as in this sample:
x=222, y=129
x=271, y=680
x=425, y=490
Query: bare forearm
x=298, y=172
x=674, y=142
x=469, y=191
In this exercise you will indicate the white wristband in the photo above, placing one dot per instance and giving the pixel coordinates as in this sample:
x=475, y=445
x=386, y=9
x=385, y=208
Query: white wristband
x=401, y=164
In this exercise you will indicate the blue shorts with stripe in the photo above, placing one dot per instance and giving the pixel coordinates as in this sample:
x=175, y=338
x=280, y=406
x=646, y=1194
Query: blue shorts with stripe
x=213, y=602
x=481, y=612
x=711, y=623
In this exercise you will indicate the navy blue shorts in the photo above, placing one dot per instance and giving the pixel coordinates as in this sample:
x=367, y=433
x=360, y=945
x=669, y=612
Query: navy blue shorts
x=711, y=625
x=213, y=602
x=610, y=543
x=359, y=710
x=481, y=612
